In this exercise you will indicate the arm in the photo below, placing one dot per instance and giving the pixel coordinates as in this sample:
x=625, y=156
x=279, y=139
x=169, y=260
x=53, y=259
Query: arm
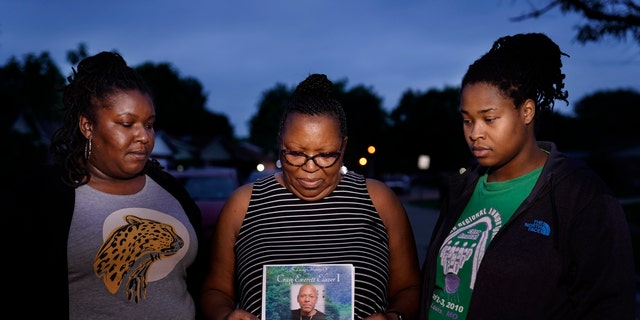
x=404, y=282
x=218, y=295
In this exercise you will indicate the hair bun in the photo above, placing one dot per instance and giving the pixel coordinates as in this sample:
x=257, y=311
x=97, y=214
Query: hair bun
x=315, y=85
x=104, y=61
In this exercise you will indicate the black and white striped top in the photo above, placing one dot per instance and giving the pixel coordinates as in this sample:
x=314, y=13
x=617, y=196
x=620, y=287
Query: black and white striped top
x=343, y=227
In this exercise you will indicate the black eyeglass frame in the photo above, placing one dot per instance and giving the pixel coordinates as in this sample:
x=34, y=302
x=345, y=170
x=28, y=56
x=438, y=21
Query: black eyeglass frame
x=285, y=152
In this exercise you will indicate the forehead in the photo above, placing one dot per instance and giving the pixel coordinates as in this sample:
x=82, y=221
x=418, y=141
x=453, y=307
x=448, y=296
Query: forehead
x=129, y=102
x=299, y=125
x=483, y=97
x=307, y=291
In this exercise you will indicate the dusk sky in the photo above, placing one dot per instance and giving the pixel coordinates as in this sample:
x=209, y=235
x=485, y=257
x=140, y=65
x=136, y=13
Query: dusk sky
x=240, y=49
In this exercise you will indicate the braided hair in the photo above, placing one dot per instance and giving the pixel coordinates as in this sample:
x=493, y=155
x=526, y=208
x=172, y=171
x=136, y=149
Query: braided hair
x=97, y=79
x=522, y=66
x=314, y=96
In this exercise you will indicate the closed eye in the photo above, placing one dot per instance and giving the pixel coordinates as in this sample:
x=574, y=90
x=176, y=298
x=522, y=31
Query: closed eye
x=328, y=155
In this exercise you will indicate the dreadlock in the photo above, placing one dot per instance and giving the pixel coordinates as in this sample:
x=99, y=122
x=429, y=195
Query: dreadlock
x=90, y=87
x=523, y=66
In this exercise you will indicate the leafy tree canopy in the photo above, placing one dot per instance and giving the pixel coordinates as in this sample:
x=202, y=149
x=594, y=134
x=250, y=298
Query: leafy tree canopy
x=616, y=18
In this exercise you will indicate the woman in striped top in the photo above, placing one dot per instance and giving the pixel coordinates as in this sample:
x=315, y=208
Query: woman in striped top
x=314, y=211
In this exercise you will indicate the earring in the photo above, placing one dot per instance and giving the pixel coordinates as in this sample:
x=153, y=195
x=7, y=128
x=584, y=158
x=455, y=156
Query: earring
x=343, y=170
x=278, y=164
x=87, y=149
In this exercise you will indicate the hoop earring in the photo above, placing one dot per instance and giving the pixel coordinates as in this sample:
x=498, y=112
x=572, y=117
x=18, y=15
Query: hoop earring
x=278, y=164
x=343, y=170
x=87, y=149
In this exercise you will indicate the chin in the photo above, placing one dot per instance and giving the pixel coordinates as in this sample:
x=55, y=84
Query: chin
x=486, y=162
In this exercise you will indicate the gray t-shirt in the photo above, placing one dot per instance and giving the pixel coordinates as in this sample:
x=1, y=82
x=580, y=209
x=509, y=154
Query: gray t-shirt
x=128, y=256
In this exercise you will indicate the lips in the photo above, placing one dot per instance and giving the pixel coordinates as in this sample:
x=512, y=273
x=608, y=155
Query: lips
x=480, y=152
x=310, y=183
x=140, y=154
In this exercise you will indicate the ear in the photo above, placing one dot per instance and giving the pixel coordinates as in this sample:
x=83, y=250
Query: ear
x=528, y=111
x=85, y=126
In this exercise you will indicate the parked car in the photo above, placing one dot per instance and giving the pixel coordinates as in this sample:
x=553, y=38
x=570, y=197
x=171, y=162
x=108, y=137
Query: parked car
x=210, y=187
x=399, y=183
x=255, y=174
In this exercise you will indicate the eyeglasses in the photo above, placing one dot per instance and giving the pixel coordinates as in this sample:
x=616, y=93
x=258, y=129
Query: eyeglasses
x=299, y=159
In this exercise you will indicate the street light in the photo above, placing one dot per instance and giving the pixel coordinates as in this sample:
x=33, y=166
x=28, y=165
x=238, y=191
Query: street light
x=371, y=150
x=424, y=162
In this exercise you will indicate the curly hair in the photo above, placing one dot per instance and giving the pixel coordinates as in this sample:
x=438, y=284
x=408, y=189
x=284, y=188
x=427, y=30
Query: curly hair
x=97, y=79
x=523, y=66
x=314, y=96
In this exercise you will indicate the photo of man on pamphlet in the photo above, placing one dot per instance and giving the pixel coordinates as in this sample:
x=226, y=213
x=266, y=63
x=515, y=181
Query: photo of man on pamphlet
x=308, y=303
x=308, y=292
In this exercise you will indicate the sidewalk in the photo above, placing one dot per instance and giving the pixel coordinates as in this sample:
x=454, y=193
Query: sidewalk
x=422, y=219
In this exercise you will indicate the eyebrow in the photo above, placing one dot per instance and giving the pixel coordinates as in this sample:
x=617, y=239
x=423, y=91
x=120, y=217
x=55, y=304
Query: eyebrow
x=483, y=111
x=133, y=115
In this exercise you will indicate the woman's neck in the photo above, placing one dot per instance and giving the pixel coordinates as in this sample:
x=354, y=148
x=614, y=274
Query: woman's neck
x=120, y=187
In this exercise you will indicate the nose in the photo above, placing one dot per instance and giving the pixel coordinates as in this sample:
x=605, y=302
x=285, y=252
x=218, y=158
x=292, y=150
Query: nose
x=475, y=132
x=143, y=136
x=310, y=163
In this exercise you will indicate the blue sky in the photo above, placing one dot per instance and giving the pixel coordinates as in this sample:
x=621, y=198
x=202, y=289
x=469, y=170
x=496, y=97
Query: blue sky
x=239, y=49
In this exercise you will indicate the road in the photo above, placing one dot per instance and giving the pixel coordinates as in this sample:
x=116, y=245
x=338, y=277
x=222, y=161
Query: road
x=422, y=222
x=422, y=219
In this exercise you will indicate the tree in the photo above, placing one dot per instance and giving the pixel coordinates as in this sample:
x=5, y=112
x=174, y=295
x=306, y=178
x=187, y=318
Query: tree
x=264, y=125
x=616, y=18
x=32, y=88
x=75, y=56
x=367, y=125
x=609, y=136
x=429, y=123
x=180, y=104
x=608, y=120
x=28, y=89
x=561, y=129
